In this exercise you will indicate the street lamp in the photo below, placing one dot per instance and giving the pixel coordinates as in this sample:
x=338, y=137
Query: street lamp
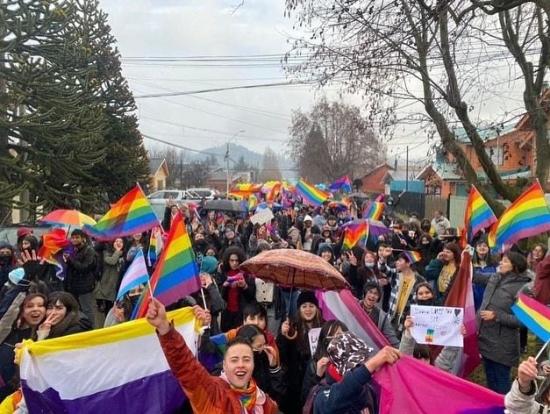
x=227, y=180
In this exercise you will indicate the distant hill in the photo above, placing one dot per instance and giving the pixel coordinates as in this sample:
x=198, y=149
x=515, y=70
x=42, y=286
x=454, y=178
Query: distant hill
x=251, y=157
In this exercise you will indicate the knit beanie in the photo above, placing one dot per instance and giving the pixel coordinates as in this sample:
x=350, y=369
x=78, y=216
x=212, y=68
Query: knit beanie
x=307, y=296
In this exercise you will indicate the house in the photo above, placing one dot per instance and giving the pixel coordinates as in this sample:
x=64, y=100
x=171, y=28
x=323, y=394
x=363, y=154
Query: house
x=158, y=173
x=512, y=150
x=386, y=179
x=218, y=179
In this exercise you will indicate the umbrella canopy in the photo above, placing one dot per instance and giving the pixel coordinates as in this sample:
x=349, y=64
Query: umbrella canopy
x=225, y=205
x=262, y=217
x=376, y=228
x=289, y=267
x=73, y=218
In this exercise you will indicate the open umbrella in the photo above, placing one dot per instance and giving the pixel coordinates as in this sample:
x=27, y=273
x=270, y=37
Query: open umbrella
x=71, y=218
x=229, y=206
x=295, y=268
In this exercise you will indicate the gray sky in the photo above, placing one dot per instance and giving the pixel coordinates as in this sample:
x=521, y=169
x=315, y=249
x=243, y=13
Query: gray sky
x=175, y=28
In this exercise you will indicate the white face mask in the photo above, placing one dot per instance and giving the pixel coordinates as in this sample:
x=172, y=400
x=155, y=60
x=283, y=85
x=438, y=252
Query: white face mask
x=369, y=265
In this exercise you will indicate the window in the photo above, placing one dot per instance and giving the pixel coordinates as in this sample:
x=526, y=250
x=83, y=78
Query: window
x=496, y=155
x=160, y=184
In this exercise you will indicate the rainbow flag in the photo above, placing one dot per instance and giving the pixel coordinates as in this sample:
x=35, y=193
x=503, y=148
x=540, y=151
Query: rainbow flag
x=130, y=215
x=310, y=194
x=355, y=233
x=52, y=242
x=155, y=246
x=135, y=275
x=413, y=256
x=374, y=210
x=274, y=192
x=534, y=315
x=177, y=273
x=342, y=183
x=527, y=216
x=478, y=215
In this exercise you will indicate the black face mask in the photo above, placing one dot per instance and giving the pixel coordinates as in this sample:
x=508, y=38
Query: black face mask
x=201, y=244
x=5, y=260
x=429, y=302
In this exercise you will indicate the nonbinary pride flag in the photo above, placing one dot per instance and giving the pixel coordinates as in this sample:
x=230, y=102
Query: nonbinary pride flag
x=120, y=369
x=410, y=386
x=130, y=215
x=135, y=275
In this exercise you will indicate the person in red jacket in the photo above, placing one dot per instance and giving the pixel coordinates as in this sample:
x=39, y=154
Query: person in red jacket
x=233, y=392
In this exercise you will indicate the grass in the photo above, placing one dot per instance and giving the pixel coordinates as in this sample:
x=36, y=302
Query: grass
x=533, y=347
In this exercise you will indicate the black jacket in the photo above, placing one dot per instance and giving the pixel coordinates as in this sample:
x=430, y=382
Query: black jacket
x=81, y=268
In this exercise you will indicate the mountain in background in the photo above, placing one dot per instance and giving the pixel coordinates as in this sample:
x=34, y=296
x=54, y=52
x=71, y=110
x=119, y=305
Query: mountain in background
x=252, y=158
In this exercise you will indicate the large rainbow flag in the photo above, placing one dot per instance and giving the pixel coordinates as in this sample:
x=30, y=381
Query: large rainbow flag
x=120, y=369
x=478, y=215
x=527, y=216
x=310, y=194
x=534, y=315
x=177, y=273
x=130, y=215
x=404, y=386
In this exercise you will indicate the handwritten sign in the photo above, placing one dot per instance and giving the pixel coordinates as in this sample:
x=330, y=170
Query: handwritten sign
x=437, y=325
x=313, y=339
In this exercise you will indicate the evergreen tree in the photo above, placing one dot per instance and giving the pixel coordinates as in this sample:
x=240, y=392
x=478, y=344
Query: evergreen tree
x=50, y=127
x=270, y=167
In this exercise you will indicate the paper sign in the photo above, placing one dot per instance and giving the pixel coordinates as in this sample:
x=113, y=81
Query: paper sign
x=262, y=217
x=437, y=325
x=313, y=339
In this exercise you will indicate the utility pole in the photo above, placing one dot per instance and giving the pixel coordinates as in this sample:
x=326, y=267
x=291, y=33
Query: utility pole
x=407, y=171
x=226, y=158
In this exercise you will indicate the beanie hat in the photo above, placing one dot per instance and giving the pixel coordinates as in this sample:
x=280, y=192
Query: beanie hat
x=209, y=264
x=16, y=275
x=346, y=351
x=23, y=231
x=307, y=296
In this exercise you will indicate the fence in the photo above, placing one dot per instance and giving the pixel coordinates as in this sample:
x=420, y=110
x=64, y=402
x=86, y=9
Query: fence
x=434, y=203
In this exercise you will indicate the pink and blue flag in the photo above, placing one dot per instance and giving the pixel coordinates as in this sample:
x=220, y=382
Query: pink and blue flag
x=135, y=275
x=410, y=386
x=341, y=184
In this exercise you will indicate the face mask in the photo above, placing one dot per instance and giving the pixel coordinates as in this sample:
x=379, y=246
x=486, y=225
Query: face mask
x=369, y=265
x=428, y=302
x=4, y=260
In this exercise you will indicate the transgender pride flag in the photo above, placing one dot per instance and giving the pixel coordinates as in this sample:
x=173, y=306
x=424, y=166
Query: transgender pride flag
x=120, y=369
x=136, y=275
x=410, y=386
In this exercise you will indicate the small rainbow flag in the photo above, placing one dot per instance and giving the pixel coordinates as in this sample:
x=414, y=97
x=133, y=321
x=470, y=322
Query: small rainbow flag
x=155, y=246
x=534, y=315
x=413, y=256
x=310, y=194
x=478, y=215
x=274, y=192
x=177, y=273
x=527, y=216
x=52, y=244
x=130, y=215
x=429, y=338
x=247, y=188
x=355, y=233
x=374, y=210
x=342, y=183
x=252, y=202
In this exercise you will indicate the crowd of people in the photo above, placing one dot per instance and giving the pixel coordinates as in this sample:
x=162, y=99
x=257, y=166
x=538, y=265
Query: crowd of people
x=268, y=365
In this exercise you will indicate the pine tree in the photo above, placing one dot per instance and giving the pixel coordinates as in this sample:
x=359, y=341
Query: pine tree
x=126, y=160
x=50, y=127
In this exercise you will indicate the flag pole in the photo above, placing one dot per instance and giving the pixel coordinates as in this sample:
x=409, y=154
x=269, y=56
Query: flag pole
x=542, y=350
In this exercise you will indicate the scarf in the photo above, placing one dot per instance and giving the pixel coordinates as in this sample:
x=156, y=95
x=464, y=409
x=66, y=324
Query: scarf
x=252, y=399
x=446, y=276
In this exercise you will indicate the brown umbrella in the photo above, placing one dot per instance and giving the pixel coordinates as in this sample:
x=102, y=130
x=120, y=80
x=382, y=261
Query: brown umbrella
x=295, y=268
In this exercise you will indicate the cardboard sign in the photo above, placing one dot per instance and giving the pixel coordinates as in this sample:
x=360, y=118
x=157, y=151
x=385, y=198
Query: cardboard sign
x=437, y=325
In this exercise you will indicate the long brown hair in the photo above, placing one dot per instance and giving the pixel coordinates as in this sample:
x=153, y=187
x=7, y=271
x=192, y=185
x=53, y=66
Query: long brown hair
x=27, y=299
x=72, y=317
x=302, y=329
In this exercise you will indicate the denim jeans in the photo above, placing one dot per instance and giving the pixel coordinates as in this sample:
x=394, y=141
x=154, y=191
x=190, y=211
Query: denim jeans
x=498, y=376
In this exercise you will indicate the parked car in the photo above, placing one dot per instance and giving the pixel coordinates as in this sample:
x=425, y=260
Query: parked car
x=161, y=196
x=206, y=193
x=8, y=233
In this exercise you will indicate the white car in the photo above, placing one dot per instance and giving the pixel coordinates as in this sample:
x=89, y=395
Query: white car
x=206, y=193
x=159, y=198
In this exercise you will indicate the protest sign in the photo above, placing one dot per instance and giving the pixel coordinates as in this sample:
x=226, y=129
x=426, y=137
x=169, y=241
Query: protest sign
x=313, y=339
x=437, y=325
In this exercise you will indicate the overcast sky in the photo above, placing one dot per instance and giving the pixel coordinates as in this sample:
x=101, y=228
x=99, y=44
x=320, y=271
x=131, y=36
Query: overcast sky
x=176, y=28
